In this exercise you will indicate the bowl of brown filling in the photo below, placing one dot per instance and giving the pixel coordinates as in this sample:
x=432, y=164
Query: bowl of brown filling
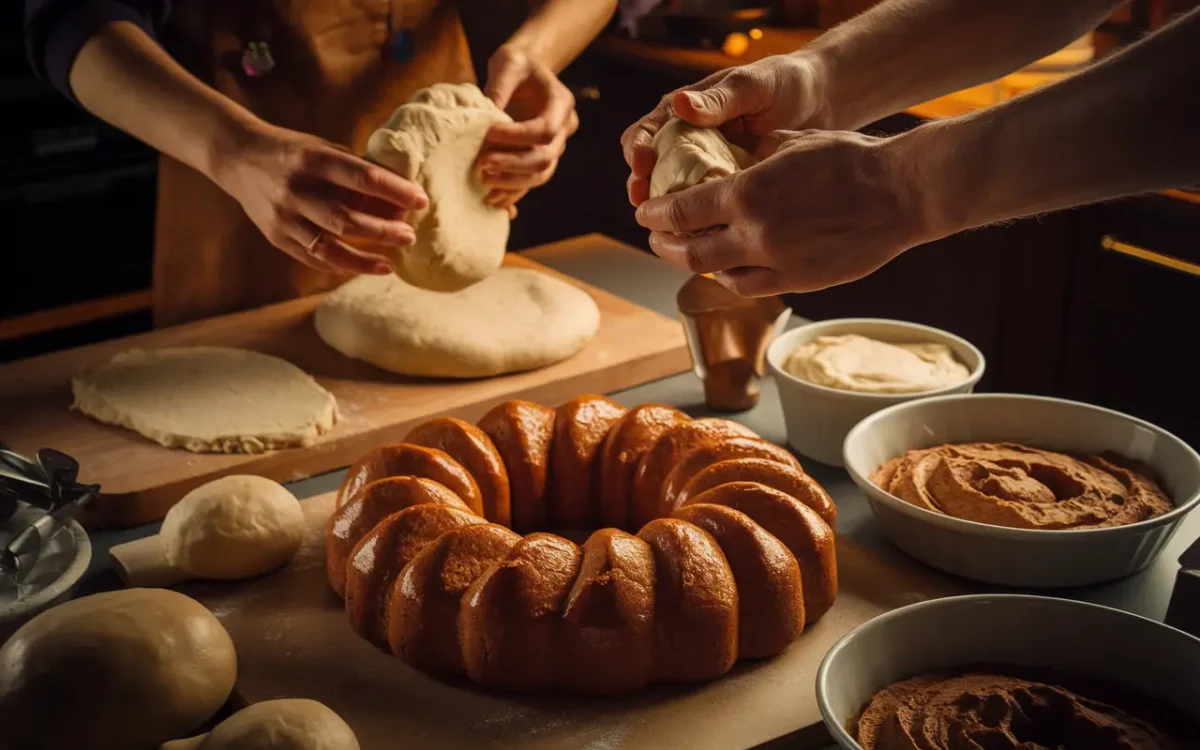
x=1001, y=672
x=1023, y=490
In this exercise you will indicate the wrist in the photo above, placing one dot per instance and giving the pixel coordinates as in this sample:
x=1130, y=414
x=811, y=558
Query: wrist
x=815, y=91
x=936, y=188
x=229, y=135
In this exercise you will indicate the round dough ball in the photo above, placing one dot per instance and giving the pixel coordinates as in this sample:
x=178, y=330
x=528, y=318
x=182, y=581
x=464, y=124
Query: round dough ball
x=232, y=528
x=292, y=724
x=516, y=319
x=114, y=671
x=207, y=399
x=433, y=140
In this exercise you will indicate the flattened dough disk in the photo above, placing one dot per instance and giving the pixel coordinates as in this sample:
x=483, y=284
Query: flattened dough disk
x=207, y=399
x=516, y=319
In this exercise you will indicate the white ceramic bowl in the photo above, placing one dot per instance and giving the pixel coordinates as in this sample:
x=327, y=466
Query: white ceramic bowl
x=1022, y=557
x=817, y=417
x=1077, y=639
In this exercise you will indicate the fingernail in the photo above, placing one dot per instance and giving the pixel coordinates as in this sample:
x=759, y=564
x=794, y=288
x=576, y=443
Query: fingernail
x=696, y=100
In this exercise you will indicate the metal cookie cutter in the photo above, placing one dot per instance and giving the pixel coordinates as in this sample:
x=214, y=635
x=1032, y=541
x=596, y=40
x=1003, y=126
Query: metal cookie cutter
x=47, y=482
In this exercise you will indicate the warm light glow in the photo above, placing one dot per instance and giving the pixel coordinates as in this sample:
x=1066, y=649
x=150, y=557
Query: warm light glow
x=736, y=45
x=756, y=34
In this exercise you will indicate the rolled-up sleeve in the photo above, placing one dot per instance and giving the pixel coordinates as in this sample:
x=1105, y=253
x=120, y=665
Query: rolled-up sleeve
x=55, y=30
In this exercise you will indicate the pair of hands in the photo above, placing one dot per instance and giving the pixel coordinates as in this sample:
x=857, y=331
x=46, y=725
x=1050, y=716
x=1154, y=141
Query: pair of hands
x=823, y=207
x=296, y=187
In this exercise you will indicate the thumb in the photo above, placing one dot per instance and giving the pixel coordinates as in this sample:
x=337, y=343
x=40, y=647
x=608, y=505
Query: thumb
x=503, y=78
x=709, y=108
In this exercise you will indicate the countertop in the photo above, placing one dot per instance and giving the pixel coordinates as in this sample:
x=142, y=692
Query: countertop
x=647, y=281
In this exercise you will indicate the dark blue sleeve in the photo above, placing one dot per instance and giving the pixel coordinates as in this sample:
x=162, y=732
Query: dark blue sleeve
x=55, y=30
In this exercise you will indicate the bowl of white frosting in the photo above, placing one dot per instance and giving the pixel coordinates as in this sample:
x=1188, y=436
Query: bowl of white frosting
x=834, y=373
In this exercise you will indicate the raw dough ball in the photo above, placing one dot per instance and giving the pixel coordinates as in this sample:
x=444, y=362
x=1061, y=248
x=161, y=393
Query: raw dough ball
x=232, y=528
x=276, y=725
x=208, y=399
x=114, y=671
x=518, y=319
x=433, y=140
x=688, y=155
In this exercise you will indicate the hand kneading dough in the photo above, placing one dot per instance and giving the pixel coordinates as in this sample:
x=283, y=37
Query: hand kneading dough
x=114, y=671
x=433, y=140
x=207, y=399
x=688, y=155
x=518, y=319
x=276, y=725
x=232, y=528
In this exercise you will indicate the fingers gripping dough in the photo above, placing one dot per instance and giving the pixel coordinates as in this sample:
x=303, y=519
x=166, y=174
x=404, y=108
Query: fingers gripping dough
x=288, y=724
x=688, y=155
x=433, y=140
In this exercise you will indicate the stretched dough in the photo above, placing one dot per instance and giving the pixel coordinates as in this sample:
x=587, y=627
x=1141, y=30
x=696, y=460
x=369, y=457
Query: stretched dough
x=207, y=399
x=517, y=319
x=114, y=671
x=433, y=140
x=688, y=155
x=288, y=724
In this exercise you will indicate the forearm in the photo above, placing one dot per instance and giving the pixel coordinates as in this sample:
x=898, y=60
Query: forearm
x=1124, y=127
x=558, y=30
x=125, y=78
x=903, y=52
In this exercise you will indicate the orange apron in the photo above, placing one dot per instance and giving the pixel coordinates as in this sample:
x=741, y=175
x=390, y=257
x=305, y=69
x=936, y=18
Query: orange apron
x=334, y=77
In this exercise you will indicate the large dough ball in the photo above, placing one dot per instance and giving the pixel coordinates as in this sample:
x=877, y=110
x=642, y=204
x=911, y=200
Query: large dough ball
x=115, y=671
x=433, y=140
x=518, y=319
x=688, y=155
x=276, y=725
x=232, y=528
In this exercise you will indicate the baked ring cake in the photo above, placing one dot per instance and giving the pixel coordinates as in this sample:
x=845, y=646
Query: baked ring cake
x=716, y=547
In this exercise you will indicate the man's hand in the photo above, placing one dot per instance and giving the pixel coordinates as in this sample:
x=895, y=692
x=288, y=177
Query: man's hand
x=823, y=208
x=784, y=92
x=307, y=195
x=523, y=154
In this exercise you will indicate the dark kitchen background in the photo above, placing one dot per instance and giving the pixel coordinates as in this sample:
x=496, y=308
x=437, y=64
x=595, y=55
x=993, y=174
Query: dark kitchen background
x=1095, y=304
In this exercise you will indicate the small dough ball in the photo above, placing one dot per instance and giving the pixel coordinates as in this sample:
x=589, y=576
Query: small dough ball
x=292, y=724
x=433, y=140
x=114, y=671
x=232, y=528
x=688, y=155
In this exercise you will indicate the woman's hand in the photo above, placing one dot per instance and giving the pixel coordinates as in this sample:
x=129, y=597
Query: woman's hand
x=783, y=92
x=308, y=196
x=823, y=208
x=523, y=154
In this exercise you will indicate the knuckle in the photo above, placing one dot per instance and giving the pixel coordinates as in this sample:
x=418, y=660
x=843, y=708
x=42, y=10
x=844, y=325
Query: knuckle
x=696, y=259
x=676, y=215
x=339, y=219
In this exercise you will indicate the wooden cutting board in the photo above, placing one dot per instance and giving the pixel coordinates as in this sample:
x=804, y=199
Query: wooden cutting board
x=293, y=641
x=141, y=479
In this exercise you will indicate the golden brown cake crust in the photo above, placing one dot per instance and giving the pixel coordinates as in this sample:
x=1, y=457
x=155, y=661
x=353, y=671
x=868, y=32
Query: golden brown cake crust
x=372, y=504
x=422, y=621
x=652, y=470
x=522, y=432
x=692, y=462
x=786, y=479
x=377, y=559
x=696, y=603
x=627, y=441
x=406, y=460
x=770, y=592
x=580, y=427
x=471, y=447
x=511, y=617
x=608, y=642
x=800, y=529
